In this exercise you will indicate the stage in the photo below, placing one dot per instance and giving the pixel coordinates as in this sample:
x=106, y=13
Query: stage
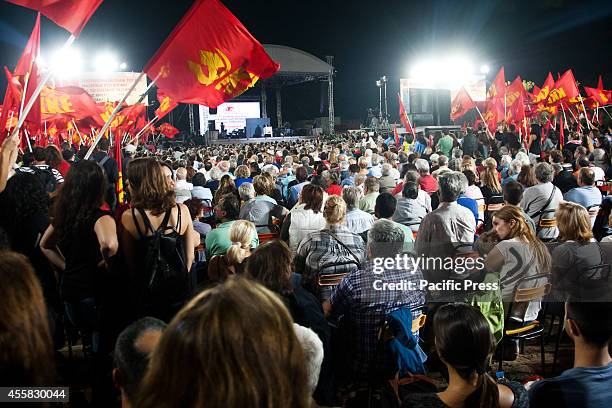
x=260, y=140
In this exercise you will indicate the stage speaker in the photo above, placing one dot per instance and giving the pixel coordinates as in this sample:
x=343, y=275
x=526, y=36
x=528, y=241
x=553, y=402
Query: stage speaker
x=211, y=125
x=442, y=107
x=212, y=111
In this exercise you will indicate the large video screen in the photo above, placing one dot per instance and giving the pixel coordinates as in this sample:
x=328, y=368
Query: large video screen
x=233, y=115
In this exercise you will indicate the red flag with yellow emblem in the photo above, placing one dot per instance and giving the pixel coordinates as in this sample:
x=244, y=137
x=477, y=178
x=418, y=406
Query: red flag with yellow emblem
x=565, y=89
x=600, y=96
x=166, y=104
x=209, y=58
x=461, y=104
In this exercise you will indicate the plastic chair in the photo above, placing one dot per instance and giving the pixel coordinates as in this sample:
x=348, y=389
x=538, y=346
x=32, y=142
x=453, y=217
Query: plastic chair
x=526, y=330
x=265, y=237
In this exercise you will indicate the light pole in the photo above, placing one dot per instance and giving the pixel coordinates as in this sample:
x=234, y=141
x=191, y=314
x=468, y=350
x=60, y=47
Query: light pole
x=379, y=85
x=384, y=81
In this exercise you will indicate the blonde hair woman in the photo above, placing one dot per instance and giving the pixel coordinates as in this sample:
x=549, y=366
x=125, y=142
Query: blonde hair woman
x=577, y=256
x=232, y=263
x=518, y=255
x=491, y=188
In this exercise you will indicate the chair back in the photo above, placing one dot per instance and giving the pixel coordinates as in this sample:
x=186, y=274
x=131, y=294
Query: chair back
x=536, y=293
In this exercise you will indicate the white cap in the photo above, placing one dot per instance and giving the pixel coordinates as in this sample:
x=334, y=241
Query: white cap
x=130, y=148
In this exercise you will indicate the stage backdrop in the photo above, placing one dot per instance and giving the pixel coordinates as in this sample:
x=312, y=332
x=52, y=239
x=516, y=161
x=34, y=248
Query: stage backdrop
x=108, y=87
x=233, y=115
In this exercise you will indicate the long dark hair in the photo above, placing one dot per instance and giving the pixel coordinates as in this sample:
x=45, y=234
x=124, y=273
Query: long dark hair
x=148, y=186
x=81, y=194
x=23, y=198
x=464, y=341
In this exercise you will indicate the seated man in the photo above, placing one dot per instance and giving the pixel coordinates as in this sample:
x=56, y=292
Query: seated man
x=370, y=287
x=357, y=221
x=589, y=383
x=371, y=191
x=586, y=194
x=132, y=352
x=513, y=194
x=384, y=209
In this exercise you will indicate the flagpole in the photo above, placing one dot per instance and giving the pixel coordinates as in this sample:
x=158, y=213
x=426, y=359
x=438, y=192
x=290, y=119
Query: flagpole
x=586, y=117
x=39, y=88
x=605, y=110
x=112, y=116
x=563, y=112
x=77, y=131
x=25, y=87
x=118, y=108
x=483, y=121
x=143, y=129
x=28, y=140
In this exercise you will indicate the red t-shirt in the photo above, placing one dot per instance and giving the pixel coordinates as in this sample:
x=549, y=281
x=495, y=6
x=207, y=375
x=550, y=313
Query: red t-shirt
x=334, y=189
x=429, y=184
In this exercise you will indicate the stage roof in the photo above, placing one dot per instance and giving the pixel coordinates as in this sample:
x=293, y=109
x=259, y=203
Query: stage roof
x=296, y=66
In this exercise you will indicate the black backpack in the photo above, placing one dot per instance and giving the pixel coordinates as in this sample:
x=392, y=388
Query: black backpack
x=45, y=175
x=165, y=279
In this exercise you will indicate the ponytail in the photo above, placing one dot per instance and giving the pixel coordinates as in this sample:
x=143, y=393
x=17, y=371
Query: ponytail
x=486, y=394
x=236, y=254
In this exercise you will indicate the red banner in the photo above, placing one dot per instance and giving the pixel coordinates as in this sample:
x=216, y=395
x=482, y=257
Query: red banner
x=212, y=62
x=461, y=104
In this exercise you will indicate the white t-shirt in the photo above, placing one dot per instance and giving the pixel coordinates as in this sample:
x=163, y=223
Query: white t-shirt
x=519, y=262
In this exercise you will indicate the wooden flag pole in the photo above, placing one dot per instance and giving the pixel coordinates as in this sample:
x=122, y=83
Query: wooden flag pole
x=586, y=117
x=485, y=123
x=112, y=116
x=143, y=129
x=27, y=136
x=118, y=108
x=39, y=88
x=23, y=93
x=77, y=132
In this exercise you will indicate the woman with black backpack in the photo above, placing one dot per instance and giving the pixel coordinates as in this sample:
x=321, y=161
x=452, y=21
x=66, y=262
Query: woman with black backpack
x=158, y=242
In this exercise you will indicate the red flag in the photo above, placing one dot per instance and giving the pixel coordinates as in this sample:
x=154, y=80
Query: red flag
x=498, y=86
x=561, y=132
x=494, y=113
x=71, y=15
x=11, y=100
x=404, y=117
x=600, y=82
x=565, y=88
x=166, y=104
x=396, y=136
x=119, y=184
x=168, y=130
x=598, y=95
x=212, y=62
x=461, y=104
x=69, y=101
x=28, y=68
x=515, y=101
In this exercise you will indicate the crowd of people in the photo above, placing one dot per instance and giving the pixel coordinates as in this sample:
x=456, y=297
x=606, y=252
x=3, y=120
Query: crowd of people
x=267, y=274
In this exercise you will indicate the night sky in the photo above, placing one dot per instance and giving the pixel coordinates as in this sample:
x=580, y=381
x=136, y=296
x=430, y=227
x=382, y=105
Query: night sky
x=368, y=39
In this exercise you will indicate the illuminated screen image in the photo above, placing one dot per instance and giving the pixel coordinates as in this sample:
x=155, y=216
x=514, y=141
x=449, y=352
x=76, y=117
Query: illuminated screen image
x=233, y=115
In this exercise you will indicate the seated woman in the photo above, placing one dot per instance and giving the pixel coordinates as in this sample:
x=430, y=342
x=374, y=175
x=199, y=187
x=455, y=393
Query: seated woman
x=518, y=255
x=332, y=250
x=232, y=262
x=239, y=340
x=305, y=217
x=260, y=209
x=464, y=343
x=577, y=257
x=410, y=211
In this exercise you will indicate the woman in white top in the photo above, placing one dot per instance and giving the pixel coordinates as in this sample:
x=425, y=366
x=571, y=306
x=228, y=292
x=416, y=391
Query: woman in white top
x=518, y=255
x=305, y=217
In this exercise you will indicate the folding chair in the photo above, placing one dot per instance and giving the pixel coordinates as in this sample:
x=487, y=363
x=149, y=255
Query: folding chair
x=526, y=330
x=265, y=237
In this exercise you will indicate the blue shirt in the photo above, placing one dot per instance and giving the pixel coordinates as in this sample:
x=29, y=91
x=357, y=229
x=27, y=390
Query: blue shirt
x=585, y=196
x=470, y=204
x=577, y=387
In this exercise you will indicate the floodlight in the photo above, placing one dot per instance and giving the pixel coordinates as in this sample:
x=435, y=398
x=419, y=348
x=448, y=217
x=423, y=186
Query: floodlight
x=106, y=62
x=66, y=62
x=484, y=69
x=123, y=65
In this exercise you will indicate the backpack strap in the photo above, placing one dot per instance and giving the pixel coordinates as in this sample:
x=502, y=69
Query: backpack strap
x=543, y=209
x=178, y=222
x=164, y=224
x=140, y=234
x=104, y=160
x=335, y=237
x=146, y=221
